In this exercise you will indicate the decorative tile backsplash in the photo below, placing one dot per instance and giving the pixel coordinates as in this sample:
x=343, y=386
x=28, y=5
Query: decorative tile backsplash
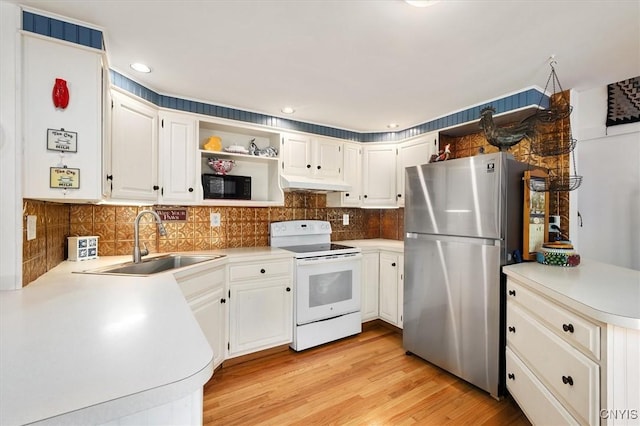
x=239, y=227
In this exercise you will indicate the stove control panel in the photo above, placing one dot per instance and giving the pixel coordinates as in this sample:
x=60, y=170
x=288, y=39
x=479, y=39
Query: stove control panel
x=300, y=227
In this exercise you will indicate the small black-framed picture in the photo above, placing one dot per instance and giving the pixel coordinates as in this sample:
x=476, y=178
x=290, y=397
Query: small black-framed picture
x=63, y=177
x=62, y=140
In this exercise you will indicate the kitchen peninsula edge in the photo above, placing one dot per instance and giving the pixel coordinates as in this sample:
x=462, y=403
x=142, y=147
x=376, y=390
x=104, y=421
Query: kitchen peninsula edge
x=85, y=348
x=603, y=292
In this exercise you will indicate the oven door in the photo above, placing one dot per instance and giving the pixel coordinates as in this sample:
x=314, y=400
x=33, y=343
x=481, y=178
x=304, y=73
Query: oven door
x=327, y=287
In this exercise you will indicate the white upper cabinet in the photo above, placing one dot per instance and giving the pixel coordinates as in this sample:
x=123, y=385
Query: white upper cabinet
x=413, y=153
x=75, y=140
x=310, y=162
x=134, y=150
x=379, y=175
x=178, y=153
x=352, y=174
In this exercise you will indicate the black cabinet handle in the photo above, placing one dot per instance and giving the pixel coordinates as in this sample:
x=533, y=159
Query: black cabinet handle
x=568, y=328
x=512, y=329
x=262, y=271
x=365, y=196
x=567, y=380
x=319, y=167
x=156, y=187
x=346, y=195
x=393, y=264
x=223, y=300
x=512, y=292
x=190, y=189
x=288, y=289
x=399, y=195
x=308, y=166
x=511, y=376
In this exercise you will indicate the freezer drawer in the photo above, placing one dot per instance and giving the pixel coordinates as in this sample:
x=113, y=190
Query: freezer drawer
x=452, y=305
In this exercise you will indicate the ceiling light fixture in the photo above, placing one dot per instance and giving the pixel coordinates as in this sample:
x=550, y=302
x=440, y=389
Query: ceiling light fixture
x=288, y=110
x=393, y=125
x=141, y=67
x=421, y=3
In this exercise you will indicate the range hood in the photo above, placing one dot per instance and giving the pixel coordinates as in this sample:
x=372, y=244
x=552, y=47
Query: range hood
x=301, y=182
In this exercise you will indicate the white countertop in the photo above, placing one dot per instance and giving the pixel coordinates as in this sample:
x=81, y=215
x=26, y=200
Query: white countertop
x=604, y=292
x=376, y=244
x=98, y=347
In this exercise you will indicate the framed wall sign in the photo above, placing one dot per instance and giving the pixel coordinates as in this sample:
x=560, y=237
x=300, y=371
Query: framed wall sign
x=62, y=140
x=535, y=212
x=176, y=214
x=62, y=177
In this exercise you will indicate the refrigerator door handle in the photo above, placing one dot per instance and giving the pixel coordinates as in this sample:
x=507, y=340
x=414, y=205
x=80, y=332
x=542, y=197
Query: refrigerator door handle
x=455, y=238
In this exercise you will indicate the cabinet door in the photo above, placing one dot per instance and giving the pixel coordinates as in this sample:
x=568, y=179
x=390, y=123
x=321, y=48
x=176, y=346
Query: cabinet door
x=178, y=151
x=413, y=153
x=389, y=300
x=327, y=159
x=370, y=283
x=44, y=61
x=379, y=176
x=209, y=311
x=296, y=155
x=260, y=315
x=204, y=290
x=134, y=149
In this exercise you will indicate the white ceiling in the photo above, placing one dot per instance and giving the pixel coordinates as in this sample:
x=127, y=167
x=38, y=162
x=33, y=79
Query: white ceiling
x=361, y=64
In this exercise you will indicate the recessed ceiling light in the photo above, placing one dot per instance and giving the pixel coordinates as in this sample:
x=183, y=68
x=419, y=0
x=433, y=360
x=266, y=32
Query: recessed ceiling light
x=421, y=3
x=393, y=125
x=141, y=67
x=288, y=110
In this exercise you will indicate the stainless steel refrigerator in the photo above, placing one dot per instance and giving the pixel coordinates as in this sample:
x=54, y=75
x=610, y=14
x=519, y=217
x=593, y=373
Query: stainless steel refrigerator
x=463, y=221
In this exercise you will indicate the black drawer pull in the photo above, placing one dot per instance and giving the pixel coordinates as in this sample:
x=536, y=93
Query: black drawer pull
x=190, y=190
x=511, y=376
x=567, y=380
x=288, y=288
x=262, y=271
x=319, y=167
x=512, y=292
x=223, y=301
x=512, y=329
x=308, y=166
x=568, y=328
x=346, y=195
x=393, y=264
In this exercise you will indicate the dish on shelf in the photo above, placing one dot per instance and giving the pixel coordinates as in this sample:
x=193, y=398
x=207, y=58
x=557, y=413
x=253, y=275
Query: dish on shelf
x=220, y=166
x=237, y=149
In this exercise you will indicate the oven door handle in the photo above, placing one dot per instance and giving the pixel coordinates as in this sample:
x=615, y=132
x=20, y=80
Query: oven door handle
x=328, y=259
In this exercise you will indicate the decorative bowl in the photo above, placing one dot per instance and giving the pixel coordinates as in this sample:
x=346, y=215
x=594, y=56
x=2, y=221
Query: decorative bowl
x=220, y=166
x=558, y=257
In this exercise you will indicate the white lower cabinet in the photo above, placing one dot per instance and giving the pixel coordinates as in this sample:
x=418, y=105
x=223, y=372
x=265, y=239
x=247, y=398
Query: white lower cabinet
x=204, y=290
x=260, y=305
x=391, y=287
x=551, y=373
x=369, y=285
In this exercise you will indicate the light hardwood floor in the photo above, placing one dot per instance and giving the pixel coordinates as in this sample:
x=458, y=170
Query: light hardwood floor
x=362, y=380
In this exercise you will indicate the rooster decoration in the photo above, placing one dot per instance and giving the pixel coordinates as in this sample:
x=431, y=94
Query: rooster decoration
x=505, y=137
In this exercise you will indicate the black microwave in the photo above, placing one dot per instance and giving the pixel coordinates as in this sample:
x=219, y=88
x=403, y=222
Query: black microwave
x=226, y=186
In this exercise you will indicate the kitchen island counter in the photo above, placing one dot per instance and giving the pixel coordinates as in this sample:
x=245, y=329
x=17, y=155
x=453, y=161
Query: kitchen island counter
x=604, y=292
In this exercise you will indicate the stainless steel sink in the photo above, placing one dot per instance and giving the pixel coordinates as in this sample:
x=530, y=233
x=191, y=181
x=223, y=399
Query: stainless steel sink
x=153, y=265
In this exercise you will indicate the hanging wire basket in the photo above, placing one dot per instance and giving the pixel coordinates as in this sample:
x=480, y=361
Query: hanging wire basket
x=560, y=107
x=546, y=148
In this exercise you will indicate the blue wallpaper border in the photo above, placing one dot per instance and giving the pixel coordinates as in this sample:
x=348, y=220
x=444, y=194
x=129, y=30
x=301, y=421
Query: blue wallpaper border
x=61, y=30
x=84, y=36
x=512, y=102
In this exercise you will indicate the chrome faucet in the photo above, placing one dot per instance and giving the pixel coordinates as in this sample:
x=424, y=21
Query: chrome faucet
x=137, y=252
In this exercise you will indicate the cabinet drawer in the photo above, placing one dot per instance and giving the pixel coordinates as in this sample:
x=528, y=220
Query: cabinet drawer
x=260, y=270
x=194, y=284
x=576, y=330
x=568, y=374
x=535, y=400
